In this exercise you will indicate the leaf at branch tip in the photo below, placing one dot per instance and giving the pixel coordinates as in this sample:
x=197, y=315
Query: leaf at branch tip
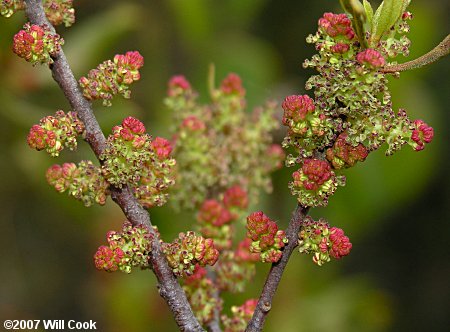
x=369, y=11
x=385, y=17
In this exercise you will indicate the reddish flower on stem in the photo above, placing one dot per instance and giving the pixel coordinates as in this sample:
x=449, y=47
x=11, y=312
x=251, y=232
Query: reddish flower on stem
x=134, y=125
x=162, y=147
x=178, y=85
x=232, y=84
x=317, y=171
x=371, y=58
x=422, y=134
x=296, y=107
x=235, y=197
x=337, y=25
x=212, y=212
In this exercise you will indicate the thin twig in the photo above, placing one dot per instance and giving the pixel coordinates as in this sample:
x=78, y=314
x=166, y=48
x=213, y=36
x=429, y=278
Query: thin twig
x=274, y=277
x=435, y=54
x=168, y=285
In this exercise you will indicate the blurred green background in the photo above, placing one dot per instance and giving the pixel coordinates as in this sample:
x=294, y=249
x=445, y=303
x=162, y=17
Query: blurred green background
x=394, y=209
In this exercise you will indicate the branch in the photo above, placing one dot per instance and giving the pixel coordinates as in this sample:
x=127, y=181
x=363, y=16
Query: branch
x=435, y=54
x=169, y=288
x=274, y=277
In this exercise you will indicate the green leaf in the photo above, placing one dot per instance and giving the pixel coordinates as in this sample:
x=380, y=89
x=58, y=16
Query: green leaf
x=369, y=11
x=385, y=17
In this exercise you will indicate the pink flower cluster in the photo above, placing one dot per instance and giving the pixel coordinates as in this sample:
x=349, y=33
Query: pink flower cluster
x=336, y=25
x=232, y=84
x=267, y=239
x=314, y=173
x=344, y=154
x=317, y=238
x=53, y=133
x=217, y=213
x=126, y=249
x=188, y=250
x=422, y=134
x=371, y=58
x=37, y=44
x=296, y=108
x=178, y=85
x=112, y=77
x=60, y=11
x=83, y=182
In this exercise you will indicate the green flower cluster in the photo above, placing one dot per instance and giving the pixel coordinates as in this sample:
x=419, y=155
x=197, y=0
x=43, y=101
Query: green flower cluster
x=126, y=249
x=351, y=113
x=132, y=157
x=37, y=44
x=83, y=182
x=53, y=133
x=219, y=145
x=57, y=11
x=323, y=241
x=188, y=250
x=267, y=239
x=112, y=77
x=241, y=316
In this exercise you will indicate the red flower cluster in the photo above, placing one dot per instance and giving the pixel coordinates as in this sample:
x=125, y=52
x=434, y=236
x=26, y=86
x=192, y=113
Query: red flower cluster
x=53, y=133
x=126, y=249
x=188, y=250
x=316, y=171
x=178, y=85
x=335, y=25
x=317, y=238
x=371, y=58
x=37, y=44
x=112, y=77
x=296, y=108
x=422, y=134
x=214, y=213
x=162, y=147
x=83, y=182
x=232, y=84
x=339, y=243
x=267, y=239
x=343, y=154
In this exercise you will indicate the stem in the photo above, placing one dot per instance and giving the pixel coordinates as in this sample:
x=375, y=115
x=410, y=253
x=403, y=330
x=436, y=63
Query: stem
x=435, y=54
x=168, y=286
x=274, y=277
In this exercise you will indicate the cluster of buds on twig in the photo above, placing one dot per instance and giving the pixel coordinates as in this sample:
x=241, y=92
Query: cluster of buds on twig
x=323, y=241
x=112, y=77
x=83, y=182
x=206, y=138
x=241, y=316
x=315, y=182
x=132, y=157
x=57, y=11
x=37, y=44
x=126, y=249
x=267, y=239
x=351, y=113
x=188, y=250
x=203, y=295
x=53, y=133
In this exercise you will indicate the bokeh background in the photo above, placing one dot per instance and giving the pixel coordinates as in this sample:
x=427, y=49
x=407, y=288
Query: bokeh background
x=395, y=209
